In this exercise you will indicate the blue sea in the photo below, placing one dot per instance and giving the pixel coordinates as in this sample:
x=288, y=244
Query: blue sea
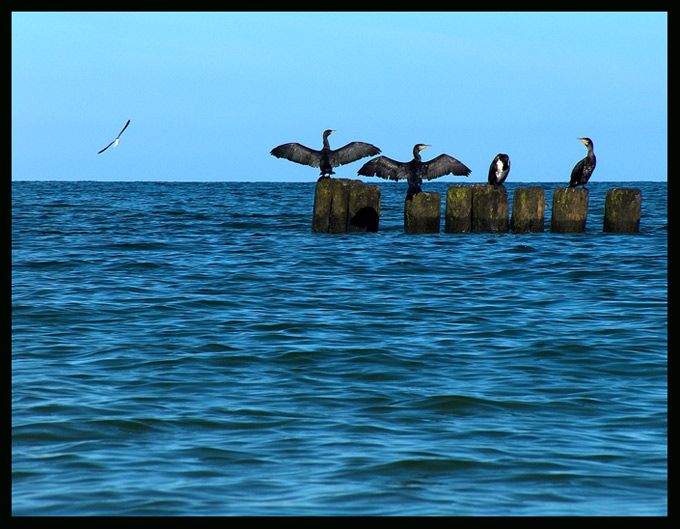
x=194, y=349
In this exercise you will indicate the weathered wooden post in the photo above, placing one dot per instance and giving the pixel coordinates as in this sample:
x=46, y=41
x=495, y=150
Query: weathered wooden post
x=363, y=209
x=528, y=210
x=342, y=205
x=422, y=212
x=570, y=210
x=337, y=222
x=458, y=211
x=622, y=207
x=489, y=208
x=322, y=205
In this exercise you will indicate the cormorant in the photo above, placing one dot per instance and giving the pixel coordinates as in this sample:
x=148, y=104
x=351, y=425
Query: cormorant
x=414, y=171
x=326, y=158
x=117, y=140
x=582, y=171
x=500, y=167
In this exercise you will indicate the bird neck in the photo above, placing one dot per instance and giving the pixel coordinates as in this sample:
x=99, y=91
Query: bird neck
x=326, y=145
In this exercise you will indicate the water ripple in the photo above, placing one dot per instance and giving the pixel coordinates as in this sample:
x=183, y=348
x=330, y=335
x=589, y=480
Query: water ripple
x=194, y=349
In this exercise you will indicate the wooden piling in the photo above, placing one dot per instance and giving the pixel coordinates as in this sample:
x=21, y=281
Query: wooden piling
x=322, y=206
x=422, y=212
x=528, y=210
x=489, y=208
x=569, y=210
x=458, y=211
x=342, y=205
x=363, y=209
x=622, y=207
x=337, y=222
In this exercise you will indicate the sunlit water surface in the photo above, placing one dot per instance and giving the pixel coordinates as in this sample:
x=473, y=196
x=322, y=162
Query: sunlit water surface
x=192, y=348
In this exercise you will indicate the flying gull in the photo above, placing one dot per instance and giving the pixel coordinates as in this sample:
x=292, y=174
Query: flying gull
x=117, y=140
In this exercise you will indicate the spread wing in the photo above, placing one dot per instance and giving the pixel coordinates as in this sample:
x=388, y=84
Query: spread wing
x=125, y=127
x=109, y=145
x=351, y=153
x=298, y=153
x=117, y=137
x=384, y=167
x=442, y=165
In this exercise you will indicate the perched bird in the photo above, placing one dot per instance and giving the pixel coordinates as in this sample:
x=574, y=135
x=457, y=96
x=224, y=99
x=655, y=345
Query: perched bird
x=117, y=140
x=325, y=159
x=414, y=171
x=500, y=167
x=582, y=171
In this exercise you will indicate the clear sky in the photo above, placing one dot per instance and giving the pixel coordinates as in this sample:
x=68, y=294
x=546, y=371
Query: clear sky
x=210, y=94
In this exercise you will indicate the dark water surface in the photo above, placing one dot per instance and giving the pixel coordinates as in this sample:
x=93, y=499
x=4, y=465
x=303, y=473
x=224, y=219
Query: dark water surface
x=192, y=348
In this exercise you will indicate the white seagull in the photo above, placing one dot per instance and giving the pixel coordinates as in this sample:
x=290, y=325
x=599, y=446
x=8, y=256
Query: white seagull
x=117, y=140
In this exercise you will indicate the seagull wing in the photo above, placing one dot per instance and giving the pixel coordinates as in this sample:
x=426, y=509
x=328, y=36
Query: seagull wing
x=114, y=141
x=125, y=127
x=109, y=145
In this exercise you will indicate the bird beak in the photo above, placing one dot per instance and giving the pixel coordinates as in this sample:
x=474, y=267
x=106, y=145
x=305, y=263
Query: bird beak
x=582, y=140
x=331, y=132
x=424, y=147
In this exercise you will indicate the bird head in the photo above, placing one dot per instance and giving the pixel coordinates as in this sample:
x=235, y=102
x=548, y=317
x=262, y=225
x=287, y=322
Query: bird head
x=586, y=141
x=419, y=147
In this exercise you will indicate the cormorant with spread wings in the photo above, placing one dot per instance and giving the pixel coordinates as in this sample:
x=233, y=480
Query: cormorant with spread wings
x=414, y=171
x=325, y=159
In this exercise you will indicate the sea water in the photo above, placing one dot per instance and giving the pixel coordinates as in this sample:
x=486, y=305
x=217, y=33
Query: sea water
x=194, y=349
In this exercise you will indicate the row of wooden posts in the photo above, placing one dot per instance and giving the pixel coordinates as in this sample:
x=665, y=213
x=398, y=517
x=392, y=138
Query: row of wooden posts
x=342, y=205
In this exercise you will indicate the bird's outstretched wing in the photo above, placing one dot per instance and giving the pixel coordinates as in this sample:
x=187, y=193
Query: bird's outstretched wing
x=117, y=137
x=443, y=165
x=125, y=127
x=109, y=145
x=384, y=167
x=297, y=153
x=352, y=152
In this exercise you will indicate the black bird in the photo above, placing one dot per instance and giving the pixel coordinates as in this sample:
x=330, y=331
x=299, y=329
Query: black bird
x=582, y=171
x=326, y=158
x=500, y=167
x=117, y=140
x=414, y=171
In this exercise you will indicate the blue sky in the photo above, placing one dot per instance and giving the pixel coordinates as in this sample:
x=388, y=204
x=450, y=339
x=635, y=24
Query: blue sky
x=210, y=94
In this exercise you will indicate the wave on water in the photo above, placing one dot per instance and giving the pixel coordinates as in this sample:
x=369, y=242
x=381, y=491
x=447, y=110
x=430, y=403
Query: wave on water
x=194, y=349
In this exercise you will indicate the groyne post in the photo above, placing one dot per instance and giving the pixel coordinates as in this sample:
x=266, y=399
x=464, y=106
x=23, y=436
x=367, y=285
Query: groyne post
x=528, y=210
x=422, y=212
x=458, y=210
x=363, y=208
x=569, y=210
x=622, y=208
x=337, y=221
x=322, y=206
x=342, y=205
x=489, y=208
